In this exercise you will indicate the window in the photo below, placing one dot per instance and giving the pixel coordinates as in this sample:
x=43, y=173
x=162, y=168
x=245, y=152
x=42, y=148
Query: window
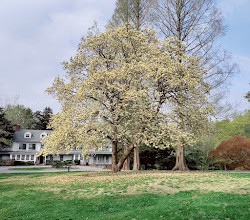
x=100, y=159
x=23, y=157
x=27, y=135
x=43, y=135
x=18, y=157
x=31, y=157
x=32, y=146
x=61, y=157
x=107, y=159
x=22, y=146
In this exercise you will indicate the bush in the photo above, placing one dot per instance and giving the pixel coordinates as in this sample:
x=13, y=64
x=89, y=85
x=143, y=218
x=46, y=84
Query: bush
x=233, y=153
x=23, y=163
x=49, y=162
x=77, y=162
x=68, y=162
x=57, y=164
x=19, y=163
x=7, y=162
x=29, y=163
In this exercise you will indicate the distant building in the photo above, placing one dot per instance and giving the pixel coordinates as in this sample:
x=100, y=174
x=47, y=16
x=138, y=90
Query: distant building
x=27, y=143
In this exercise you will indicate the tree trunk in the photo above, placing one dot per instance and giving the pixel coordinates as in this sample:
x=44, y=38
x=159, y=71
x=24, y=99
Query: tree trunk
x=126, y=165
x=125, y=156
x=137, y=164
x=225, y=167
x=180, y=163
x=114, y=157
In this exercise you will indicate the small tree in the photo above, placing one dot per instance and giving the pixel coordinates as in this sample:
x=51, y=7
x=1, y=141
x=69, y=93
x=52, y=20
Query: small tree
x=233, y=153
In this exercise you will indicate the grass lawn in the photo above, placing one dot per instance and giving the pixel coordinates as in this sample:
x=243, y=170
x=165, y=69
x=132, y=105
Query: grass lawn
x=126, y=195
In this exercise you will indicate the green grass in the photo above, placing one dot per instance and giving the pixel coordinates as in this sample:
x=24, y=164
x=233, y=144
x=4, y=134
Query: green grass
x=124, y=196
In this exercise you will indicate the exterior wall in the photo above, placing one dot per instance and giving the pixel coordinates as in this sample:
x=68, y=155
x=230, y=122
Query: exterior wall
x=16, y=147
x=67, y=157
x=5, y=157
x=25, y=154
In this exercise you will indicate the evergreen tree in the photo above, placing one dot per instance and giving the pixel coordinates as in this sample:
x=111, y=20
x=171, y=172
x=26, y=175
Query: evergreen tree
x=42, y=118
x=6, y=130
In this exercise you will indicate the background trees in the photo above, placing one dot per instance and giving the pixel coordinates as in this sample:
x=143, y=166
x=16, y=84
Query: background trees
x=23, y=116
x=42, y=118
x=6, y=130
x=226, y=129
x=18, y=114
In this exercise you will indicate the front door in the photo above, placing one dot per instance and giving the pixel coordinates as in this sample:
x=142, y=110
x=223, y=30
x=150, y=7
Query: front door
x=40, y=159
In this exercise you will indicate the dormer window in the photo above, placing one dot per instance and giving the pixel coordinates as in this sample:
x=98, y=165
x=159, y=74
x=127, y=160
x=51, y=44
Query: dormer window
x=27, y=135
x=43, y=135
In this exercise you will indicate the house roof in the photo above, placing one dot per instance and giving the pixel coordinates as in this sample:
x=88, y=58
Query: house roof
x=35, y=135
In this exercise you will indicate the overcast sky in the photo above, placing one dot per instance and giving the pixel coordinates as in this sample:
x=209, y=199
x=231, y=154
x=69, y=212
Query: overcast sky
x=37, y=35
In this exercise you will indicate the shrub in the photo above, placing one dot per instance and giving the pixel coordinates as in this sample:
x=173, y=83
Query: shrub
x=49, y=162
x=233, y=153
x=57, y=164
x=7, y=162
x=77, y=162
x=68, y=162
x=19, y=163
x=29, y=163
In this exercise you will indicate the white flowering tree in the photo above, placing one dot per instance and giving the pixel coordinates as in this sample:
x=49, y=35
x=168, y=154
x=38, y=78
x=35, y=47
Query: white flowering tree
x=126, y=88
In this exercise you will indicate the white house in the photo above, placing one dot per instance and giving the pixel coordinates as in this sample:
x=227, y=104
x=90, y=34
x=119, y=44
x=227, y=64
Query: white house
x=27, y=143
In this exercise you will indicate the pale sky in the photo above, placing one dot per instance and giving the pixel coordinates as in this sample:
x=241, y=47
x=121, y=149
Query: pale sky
x=37, y=35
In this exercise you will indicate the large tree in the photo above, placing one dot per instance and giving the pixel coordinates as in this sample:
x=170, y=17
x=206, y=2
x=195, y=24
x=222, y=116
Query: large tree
x=6, y=130
x=126, y=88
x=198, y=24
x=135, y=14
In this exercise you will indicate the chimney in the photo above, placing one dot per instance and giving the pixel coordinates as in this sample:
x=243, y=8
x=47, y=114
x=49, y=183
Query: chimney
x=17, y=127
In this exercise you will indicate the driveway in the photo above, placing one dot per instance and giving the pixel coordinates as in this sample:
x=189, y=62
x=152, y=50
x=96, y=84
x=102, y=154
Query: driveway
x=5, y=169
